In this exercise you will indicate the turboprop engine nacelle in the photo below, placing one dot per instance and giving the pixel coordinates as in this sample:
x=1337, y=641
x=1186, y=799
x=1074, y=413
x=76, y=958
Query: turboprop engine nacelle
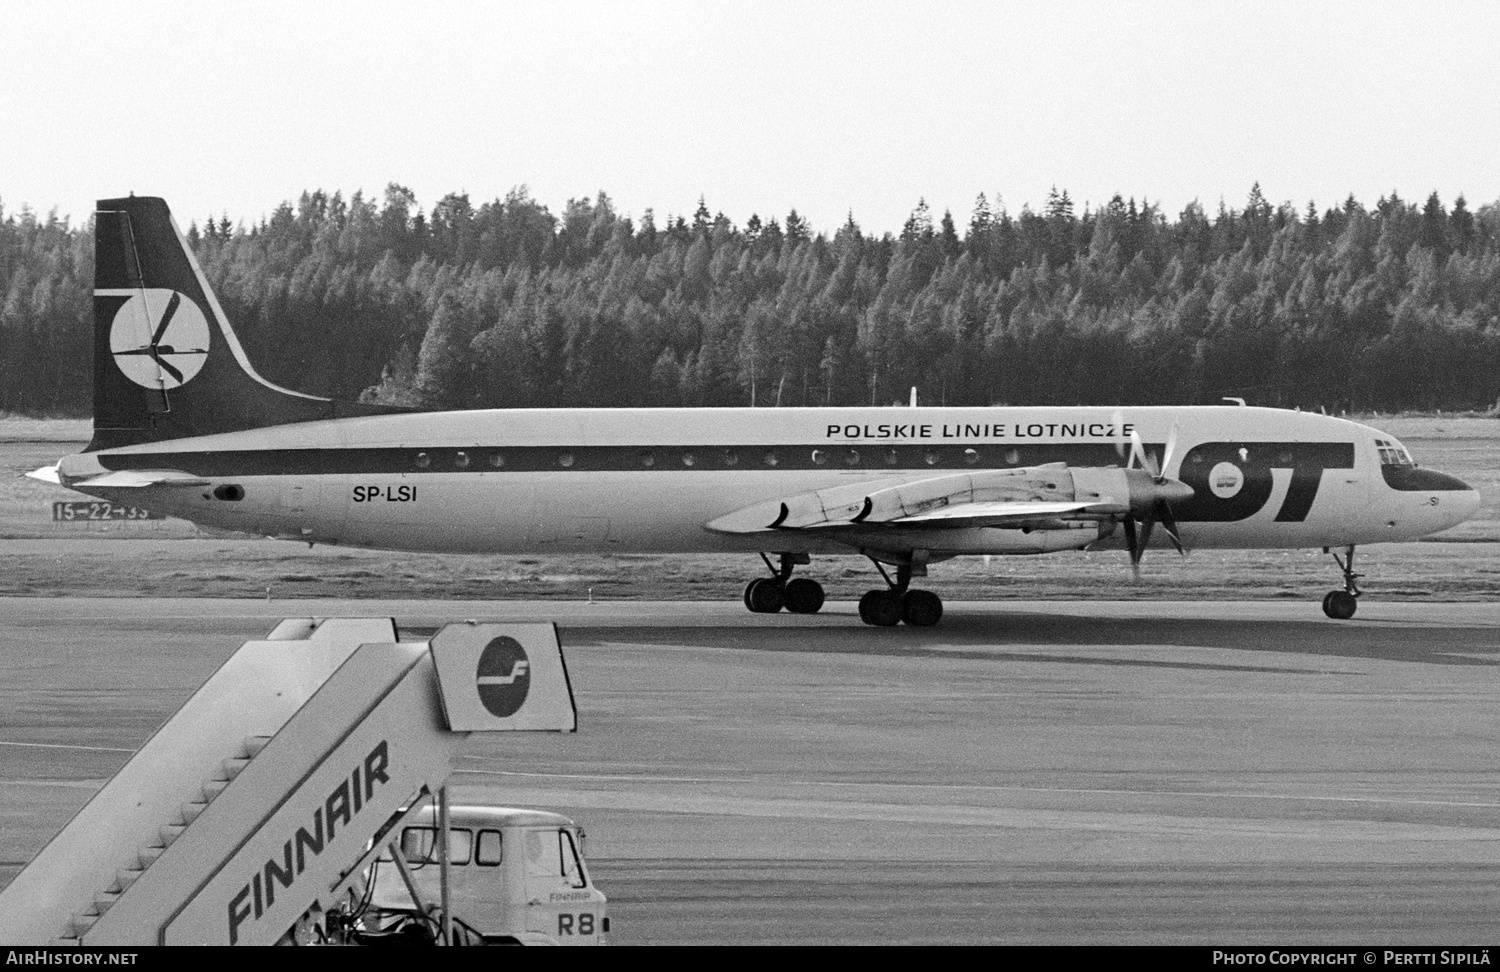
x=1146, y=491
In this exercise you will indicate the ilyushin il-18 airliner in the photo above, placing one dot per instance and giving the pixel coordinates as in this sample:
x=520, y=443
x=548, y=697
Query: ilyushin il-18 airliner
x=184, y=425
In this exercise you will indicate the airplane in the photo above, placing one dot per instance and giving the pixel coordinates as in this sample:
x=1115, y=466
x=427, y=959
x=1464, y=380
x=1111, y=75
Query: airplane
x=184, y=425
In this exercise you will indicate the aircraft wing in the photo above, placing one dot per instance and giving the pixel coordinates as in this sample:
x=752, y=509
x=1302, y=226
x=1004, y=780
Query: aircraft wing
x=992, y=498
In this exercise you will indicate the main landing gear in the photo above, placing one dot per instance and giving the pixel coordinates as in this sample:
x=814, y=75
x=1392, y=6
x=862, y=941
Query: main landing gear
x=767, y=595
x=1341, y=605
x=887, y=608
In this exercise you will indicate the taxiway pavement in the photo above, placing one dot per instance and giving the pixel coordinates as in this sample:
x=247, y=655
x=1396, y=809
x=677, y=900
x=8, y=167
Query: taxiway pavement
x=1148, y=772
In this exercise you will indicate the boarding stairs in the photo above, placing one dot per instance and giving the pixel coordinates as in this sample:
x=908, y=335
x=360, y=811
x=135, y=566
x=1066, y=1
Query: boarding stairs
x=267, y=793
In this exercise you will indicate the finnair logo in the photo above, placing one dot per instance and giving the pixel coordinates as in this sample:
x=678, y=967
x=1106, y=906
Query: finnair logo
x=519, y=671
x=504, y=676
x=159, y=338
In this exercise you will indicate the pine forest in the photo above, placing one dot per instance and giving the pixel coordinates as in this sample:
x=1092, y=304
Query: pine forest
x=508, y=305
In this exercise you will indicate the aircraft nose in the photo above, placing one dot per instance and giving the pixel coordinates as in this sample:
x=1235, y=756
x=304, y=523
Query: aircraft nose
x=1455, y=500
x=1431, y=479
x=1466, y=503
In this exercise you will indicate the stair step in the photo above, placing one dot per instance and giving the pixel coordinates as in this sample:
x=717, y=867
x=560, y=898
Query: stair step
x=233, y=765
x=127, y=876
x=190, y=811
x=105, y=900
x=148, y=855
x=171, y=832
x=254, y=744
x=213, y=788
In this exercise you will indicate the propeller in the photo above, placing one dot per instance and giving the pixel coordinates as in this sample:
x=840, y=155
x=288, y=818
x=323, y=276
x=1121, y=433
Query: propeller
x=1152, y=493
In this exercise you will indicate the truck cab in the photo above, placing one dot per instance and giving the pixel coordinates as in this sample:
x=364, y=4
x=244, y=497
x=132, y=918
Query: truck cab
x=515, y=877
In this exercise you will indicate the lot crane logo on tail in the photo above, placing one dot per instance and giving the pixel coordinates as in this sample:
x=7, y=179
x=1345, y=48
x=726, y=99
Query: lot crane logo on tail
x=504, y=676
x=159, y=338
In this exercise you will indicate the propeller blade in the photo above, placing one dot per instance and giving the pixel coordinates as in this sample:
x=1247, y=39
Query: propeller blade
x=1146, y=527
x=1171, y=451
x=1119, y=425
x=1137, y=455
x=1132, y=540
x=1169, y=524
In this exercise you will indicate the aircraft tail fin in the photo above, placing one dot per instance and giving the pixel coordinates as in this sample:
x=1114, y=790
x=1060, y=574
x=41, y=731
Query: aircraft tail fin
x=167, y=364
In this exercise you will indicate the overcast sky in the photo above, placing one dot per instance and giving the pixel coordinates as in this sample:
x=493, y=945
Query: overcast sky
x=757, y=107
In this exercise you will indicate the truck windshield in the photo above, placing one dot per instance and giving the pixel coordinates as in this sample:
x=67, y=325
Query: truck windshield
x=551, y=854
x=572, y=869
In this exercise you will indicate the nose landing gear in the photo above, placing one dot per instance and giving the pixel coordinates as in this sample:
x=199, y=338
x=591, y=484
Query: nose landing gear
x=1341, y=605
x=768, y=595
x=887, y=608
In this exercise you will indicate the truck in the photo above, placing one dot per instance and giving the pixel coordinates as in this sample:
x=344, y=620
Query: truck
x=515, y=877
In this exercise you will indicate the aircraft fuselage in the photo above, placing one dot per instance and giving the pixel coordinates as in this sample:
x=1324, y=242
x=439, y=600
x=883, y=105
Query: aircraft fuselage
x=648, y=480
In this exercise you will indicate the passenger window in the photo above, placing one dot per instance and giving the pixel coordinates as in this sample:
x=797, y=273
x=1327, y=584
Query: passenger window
x=487, y=853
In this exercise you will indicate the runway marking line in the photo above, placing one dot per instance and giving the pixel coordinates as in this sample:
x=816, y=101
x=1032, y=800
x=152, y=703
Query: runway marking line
x=980, y=787
x=98, y=749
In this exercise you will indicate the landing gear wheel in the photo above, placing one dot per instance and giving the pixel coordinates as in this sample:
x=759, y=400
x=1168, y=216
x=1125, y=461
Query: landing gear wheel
x=882, y=609
x=765, y=595
x=1340, y=605
x=921, y=609
x=804, y=596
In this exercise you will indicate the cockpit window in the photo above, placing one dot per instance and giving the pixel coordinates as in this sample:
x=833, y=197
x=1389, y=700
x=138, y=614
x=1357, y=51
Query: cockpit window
x=1393, y=453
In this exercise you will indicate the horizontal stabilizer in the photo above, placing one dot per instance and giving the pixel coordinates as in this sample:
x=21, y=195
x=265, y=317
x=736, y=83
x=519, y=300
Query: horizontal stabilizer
x=47, y=474
x=136, y=478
